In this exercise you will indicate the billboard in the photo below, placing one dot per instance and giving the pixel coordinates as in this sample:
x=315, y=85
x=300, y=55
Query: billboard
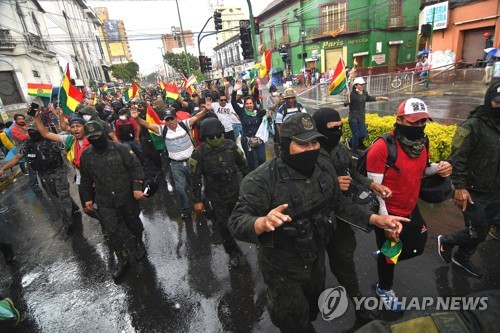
x=116, y=49
x=112, y=31
x=437, y=13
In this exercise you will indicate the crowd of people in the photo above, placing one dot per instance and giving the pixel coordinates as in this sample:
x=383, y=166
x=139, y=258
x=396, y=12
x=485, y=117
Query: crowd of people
x=295, y=207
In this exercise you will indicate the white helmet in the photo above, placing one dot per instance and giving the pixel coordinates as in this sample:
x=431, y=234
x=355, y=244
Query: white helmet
x=359, y=80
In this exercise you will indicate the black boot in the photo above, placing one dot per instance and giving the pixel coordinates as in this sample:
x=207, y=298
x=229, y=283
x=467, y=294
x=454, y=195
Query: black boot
x=140, y=248
x=121, y=265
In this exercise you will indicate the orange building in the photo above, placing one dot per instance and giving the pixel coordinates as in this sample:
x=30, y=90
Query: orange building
x=467, y=23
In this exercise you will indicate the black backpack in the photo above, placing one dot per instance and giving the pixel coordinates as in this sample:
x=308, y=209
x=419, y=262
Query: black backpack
x=44, y=156
x=392, y=155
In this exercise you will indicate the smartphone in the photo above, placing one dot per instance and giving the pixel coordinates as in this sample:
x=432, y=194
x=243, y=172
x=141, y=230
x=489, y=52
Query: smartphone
x=33, y=108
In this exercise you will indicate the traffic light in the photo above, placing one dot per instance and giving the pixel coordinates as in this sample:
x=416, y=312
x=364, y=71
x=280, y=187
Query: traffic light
x=256, y=25
x=203, y=64
x=218, y=20
x=208, y=64
x=246, y=43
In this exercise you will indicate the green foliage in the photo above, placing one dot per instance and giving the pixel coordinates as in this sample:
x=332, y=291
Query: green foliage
x=126, y=72
x=178, y=62
x=440, y=136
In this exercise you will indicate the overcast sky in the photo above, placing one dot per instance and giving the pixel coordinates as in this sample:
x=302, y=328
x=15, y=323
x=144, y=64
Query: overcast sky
x=145, y=21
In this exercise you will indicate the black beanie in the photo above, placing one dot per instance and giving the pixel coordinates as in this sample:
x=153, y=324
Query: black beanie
x=324, y=116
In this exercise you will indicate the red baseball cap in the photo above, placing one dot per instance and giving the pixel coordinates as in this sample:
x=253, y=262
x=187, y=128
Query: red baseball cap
x=413, y=110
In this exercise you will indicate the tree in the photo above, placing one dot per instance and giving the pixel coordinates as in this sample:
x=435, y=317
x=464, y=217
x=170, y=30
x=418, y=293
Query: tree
x=178, y=62
x=126, y=72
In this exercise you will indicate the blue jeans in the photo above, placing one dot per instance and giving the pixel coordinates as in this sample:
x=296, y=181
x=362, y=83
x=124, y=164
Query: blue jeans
x=236, y=130
x=358, y=130
x=182, y=183
x=249, y=154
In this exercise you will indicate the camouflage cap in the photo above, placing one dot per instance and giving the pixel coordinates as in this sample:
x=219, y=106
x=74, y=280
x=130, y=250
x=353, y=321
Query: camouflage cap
x=300, y=128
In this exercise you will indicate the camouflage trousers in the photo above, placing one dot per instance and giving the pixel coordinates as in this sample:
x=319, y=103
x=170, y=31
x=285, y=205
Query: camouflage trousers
x=56, y=184
x=293, y=292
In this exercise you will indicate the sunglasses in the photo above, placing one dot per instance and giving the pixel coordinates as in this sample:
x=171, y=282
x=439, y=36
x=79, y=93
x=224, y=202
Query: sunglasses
x=169, y=119
x=211, y=137
x=223, y=100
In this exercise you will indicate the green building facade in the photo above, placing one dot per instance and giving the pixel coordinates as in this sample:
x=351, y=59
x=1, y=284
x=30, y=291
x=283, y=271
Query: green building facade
x=377, y=35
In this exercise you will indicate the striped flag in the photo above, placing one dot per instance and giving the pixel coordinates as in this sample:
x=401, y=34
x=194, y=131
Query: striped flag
x=131, y=92
x=339, y=80
x=189, y=82
x=153, y=118
x=40, y=89
x=160, y=83
x=265, y=64
x=172, y=92
x=69, y=95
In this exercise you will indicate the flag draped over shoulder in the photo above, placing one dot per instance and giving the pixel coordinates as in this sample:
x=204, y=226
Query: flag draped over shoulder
x=172, y=92
x=265, y=64
x=40, y=89
x=339, y=80
x=131, y=92
x=69, y=95
x=153, y=118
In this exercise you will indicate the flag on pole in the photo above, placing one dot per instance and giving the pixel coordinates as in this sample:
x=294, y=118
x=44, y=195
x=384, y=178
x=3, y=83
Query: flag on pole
x=104, y=88
x=265, y=64
x=69, y=95
x=339, y=80
x=153, y=118
x=172, y=92
x=131, y=92
x=355, y=62
x=40, y=89
x=189, y=82
x=160, y=83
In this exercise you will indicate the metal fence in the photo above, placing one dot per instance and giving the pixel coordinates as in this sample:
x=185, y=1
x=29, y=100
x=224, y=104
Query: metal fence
x=390, y=84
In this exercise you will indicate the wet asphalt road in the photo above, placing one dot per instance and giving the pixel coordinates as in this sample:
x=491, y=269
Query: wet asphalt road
x=63, y=284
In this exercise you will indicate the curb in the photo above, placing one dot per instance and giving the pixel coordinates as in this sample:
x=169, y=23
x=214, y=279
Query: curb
x=10, y=179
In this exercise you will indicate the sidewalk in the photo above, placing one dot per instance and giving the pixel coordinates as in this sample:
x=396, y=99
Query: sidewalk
x=9, y=175
x=472, y=88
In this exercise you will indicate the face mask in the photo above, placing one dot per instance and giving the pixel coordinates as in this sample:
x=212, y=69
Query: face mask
x=275, y=94
x=410, y=132
x=87, y=117
x=123, y=118
x=35, y=135
x=332, y=137
x=303, y=162
x=99, y=143
x=21, y=123
x=214, y=143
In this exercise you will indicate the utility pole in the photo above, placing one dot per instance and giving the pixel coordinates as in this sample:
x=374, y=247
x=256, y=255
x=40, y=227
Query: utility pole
x=430, y=49
x=183, y=41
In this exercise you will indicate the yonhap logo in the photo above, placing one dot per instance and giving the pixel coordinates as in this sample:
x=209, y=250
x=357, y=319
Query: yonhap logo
x=333, y=303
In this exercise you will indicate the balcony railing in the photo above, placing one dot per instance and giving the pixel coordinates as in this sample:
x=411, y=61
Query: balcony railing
x=396, y=22
x=272, y=44
x=36, y=42
x=285, y=39
x=6, y=41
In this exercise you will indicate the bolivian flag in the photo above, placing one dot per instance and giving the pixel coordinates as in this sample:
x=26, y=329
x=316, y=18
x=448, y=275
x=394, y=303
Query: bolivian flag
x=265, y=64
x=153, y=118
x=339, y=80
x=69, y=96
x=131, y=92
x=40, y=89
x=391, y=250
x=172, y=92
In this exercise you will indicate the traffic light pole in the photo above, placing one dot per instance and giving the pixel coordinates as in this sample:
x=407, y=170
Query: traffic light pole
x=199, y=40
x=252, y=31
x=183, y=40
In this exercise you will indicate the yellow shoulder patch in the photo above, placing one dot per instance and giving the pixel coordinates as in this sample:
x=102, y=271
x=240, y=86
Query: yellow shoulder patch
x=460, y=135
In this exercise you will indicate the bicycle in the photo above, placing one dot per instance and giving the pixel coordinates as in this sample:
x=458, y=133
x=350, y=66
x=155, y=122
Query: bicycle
x=401, y=79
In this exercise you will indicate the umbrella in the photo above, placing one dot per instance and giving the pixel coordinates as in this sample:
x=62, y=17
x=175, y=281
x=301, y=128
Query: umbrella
x=493, y=51
x=275, y=70
x=423, y=52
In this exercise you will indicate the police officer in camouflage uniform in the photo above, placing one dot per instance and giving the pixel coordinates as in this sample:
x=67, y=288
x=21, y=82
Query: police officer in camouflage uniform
x=287, y=207
x=219, y=161
x=44, y=156
x=475, y=157
x=118, y=179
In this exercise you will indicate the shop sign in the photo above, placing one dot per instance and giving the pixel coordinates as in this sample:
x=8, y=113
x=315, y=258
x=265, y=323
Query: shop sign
x=378, y=58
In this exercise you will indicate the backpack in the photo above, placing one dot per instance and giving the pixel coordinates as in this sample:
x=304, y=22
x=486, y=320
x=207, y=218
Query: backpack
x=285, y=111
x=44, y=156
x=392, y=156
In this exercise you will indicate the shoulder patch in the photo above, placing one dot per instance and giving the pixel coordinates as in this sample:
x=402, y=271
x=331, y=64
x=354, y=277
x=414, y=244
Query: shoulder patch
x=192, y=164
x=460, y=135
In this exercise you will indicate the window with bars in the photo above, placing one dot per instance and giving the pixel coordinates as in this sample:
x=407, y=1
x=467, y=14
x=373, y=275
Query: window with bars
x=394, y=8
x=6, y=39
x=333, y=17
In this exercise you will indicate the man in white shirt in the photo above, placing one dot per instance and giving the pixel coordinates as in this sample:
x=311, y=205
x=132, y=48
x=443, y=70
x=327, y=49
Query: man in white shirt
x=179, y=147
x=290, y=107
x=224, y=110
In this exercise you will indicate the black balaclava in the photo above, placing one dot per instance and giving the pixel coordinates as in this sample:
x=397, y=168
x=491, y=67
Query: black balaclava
x=100, y=143
x=35, y=135
x=303, y=163
x=493, y=113
x=411, y=139
x=332, y=135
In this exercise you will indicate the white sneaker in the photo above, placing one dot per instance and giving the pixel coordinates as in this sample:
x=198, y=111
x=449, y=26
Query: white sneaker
x=390, y=299
x=170, y=188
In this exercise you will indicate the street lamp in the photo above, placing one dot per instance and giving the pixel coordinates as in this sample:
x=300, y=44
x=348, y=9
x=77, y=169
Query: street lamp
x=162, y=50
x=183, y=41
